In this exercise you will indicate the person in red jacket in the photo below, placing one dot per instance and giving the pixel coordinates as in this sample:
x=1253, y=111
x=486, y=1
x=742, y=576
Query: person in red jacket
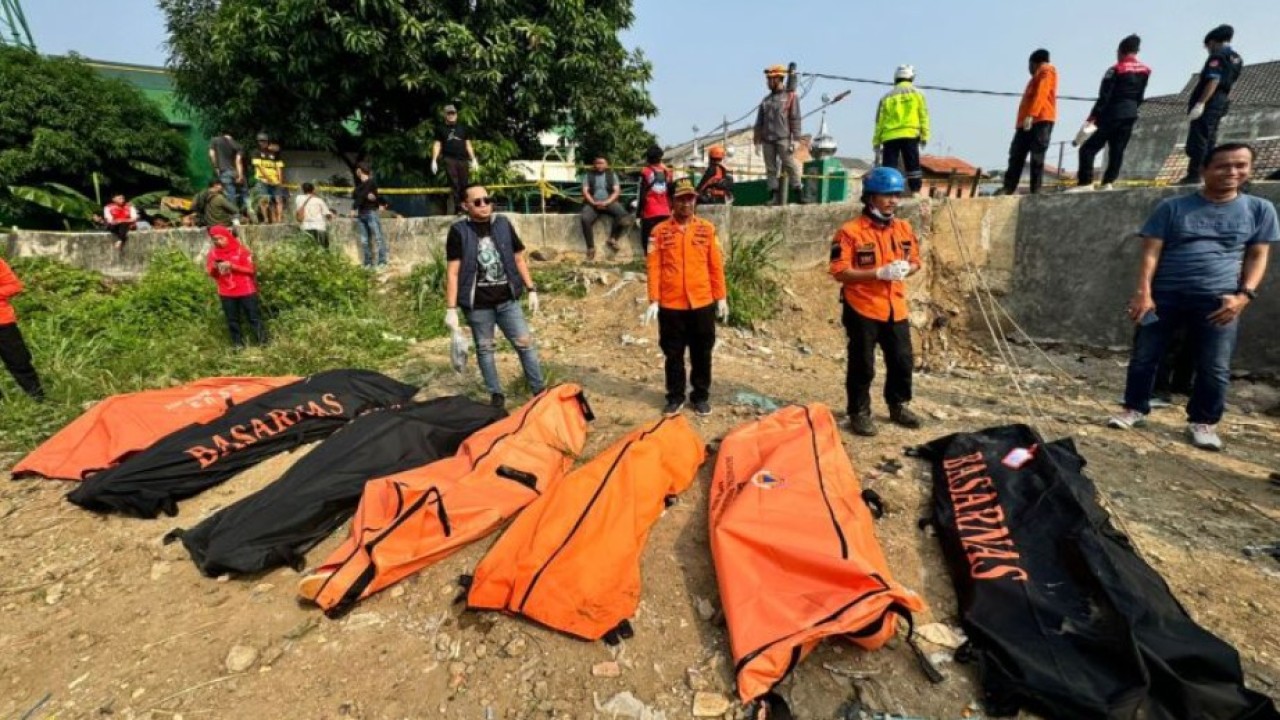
x=230, y=264
x=121, y=217
x=13, y=349
x=655, y=194
x=1036, y=114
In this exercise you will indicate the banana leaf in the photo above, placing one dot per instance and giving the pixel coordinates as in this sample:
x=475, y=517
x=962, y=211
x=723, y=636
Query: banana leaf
x=60, y=199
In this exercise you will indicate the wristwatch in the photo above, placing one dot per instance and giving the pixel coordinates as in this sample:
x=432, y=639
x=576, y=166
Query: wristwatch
x=1247, y=292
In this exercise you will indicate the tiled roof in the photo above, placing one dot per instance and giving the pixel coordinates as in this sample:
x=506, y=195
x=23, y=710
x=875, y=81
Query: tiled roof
x=1265, y=162
x=942, y=165
x=1259, y=84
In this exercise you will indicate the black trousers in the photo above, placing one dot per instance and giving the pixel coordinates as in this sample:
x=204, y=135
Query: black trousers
x=17, y=359
x=908, y=151
x=232, y=307
x=1034, y=141
x=646, y=228
x=320, y=236
x=894, y=340
x=121, y=231
x=459, y=172
x=695, y=330
x=618, y=219
x=1202, y=137
x=1114, y=136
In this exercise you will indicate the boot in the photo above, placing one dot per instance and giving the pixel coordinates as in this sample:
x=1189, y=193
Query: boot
x=862, y=424
x=902, y=415
x=775, y=197
x=797, y=195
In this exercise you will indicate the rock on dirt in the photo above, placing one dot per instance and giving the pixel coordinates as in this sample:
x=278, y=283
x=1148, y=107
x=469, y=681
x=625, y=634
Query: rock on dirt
x=241, y=658
x=710, y=704
x=515, y=648
x=606, y=669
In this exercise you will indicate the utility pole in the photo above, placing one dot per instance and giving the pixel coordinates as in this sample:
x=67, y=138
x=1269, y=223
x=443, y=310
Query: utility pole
x=14, y=30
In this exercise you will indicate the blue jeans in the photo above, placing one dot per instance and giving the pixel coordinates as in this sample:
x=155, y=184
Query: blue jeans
x=1211, y=345
x=228, y=178
x=370, y=229
x=510, y=318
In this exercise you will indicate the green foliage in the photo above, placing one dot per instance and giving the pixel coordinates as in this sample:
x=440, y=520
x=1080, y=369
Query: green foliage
x=61, y=122
x=562, y=280
x=299, y=273
x=751, y=272
x=422, y=293
x=92, y=339
x=311, y=70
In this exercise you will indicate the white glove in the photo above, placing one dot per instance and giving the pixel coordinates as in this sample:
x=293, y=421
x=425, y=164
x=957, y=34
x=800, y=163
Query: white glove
x=451, y=319
x=923, y=143
x=435, y=166
x=475, y=164
x=756, y=147
x=875, y=149
x=1196, y=111
x=650, y=313
x=886, y=272
x=791, y=147
x=1026, y=124
x=722, y=310
x=534, y=305
x=901, y=269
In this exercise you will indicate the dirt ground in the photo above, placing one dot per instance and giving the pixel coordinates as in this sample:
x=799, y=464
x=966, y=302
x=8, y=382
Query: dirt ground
x=98, y=619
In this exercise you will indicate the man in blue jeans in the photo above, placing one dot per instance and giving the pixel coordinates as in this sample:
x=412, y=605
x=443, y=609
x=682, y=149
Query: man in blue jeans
x=487, y=274
x=1203, y=257
x=366, y=200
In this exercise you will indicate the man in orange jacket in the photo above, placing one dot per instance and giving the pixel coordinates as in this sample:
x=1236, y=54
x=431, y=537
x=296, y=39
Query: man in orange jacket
x=871, y=255
x=1036, y=115
x=13, y=349
x=686, y=294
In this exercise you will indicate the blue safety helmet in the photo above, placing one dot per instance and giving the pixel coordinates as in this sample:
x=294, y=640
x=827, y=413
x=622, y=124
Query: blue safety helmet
x=884, y=181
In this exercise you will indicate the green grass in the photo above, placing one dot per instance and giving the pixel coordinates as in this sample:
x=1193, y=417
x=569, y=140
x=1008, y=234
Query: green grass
x=92, y=338
x=751, y=272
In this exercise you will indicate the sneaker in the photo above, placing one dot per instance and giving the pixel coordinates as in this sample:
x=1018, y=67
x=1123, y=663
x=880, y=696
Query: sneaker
x=498, y=400
x=862, y=424
x=672, y=407
x=702, y=408
x=591, y=254
x=1127, y=420
x=1107, y=186
x=902, y=415
x=613, y=245
x=1079, y=189
x=1204, y=436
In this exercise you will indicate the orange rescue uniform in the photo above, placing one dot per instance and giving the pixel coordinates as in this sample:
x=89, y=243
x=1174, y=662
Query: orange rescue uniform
x=862, y=244
x=685, y=264
x=1040, y=99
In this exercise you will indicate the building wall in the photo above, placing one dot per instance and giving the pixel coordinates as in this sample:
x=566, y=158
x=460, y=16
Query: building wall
x=1156, y=138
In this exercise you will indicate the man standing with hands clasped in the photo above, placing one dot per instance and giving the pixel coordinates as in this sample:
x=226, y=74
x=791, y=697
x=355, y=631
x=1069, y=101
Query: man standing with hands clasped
x=871, y=256
x=486, y=275
x=1203, y=257
x=687, y=293
x=453, y=142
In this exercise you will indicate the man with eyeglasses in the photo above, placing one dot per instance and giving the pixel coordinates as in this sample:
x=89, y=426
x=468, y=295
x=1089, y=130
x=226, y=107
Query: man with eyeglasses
x=687, y=292
x=486, y=275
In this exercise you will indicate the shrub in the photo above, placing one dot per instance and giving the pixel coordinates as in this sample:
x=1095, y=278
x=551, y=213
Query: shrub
x=751, y=271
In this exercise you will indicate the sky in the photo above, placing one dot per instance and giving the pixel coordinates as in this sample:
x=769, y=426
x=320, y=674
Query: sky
x=708, y=56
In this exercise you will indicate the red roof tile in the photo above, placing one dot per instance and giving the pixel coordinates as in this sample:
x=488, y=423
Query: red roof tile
x=945, y=165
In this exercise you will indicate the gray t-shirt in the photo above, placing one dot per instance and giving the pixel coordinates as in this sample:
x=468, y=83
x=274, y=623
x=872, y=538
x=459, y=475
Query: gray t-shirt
x=225, y=151
x=601, y=184
x=1204, y=242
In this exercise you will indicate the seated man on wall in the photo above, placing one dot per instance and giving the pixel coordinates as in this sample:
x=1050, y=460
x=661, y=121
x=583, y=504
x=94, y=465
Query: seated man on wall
x=1203, y=257
x=600, y=192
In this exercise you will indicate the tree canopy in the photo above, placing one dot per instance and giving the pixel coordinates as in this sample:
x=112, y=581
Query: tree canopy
x=371, y=77
x=61, y=123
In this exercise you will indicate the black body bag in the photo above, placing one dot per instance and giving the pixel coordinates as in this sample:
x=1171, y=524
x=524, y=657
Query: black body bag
x=1063, y=617
x=200, y=456
x=278, y=524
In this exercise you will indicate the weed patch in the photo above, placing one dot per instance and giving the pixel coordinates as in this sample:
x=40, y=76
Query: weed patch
x=751, y=272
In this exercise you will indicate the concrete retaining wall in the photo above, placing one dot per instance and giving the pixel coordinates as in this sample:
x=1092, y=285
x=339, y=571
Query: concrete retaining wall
x=1065, y=264
x=1076, y=260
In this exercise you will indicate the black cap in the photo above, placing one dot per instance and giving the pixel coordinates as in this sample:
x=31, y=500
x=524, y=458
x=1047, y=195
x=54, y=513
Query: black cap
x=1040, y=56
x=1222, y=34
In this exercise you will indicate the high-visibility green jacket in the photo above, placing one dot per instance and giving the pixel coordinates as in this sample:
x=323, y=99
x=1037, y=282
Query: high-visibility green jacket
x=902, y=114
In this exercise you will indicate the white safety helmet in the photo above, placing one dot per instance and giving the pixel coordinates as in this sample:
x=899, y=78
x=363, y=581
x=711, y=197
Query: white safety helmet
x=904, y=72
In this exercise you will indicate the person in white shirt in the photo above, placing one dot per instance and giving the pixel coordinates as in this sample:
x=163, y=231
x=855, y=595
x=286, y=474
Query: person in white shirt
x=313, y=214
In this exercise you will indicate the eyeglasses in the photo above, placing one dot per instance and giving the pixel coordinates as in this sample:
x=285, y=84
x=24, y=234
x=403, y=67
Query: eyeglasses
x=481, y=201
